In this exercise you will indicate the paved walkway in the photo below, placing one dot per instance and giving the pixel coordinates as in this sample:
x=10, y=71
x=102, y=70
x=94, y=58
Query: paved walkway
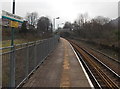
x=60, y=69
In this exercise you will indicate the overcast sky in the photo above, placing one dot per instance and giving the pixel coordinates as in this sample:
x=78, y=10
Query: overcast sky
x=67, y=10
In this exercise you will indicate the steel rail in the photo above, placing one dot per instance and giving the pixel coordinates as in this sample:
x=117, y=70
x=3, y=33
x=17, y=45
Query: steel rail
x=106, y=55
x=99, y=61
x=102, y=63
x=98, y=84
x=116, y=60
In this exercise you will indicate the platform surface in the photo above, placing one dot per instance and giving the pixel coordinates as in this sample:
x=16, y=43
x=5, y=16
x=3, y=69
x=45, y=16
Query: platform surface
x=60, y=69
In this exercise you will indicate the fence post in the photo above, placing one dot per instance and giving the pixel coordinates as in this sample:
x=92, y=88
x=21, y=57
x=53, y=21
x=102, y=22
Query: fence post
x=27, y=61
x=35, y=54
x=41, y=49
x=48, y=46
x=12, y=67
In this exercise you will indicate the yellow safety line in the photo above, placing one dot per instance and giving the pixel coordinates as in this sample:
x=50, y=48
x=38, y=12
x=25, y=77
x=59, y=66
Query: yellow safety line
x=65, y=79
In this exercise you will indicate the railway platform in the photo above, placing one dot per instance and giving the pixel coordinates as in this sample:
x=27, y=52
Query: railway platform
x=61, y=68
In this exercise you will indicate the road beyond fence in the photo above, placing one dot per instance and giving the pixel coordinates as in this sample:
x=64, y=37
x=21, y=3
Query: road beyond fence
x=25, y=58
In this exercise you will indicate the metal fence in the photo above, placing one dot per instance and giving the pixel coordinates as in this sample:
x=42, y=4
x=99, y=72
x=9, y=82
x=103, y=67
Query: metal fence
x=23, y=59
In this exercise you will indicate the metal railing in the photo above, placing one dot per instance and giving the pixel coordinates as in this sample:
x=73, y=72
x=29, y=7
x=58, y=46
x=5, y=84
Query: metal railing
x=27, y=57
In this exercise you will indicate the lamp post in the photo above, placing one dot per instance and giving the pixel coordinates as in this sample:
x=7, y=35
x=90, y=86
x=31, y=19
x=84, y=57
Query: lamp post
x=54, y=22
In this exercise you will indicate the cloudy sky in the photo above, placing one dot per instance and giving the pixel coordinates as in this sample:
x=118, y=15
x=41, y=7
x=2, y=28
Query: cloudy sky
x=67, y=10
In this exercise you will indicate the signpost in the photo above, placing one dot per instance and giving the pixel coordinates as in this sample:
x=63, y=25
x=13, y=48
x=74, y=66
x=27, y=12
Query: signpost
x=14, y=22
x=12, y=59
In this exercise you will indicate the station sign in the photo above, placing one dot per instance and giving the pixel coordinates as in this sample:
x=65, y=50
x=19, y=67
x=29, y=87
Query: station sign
x=13, y=19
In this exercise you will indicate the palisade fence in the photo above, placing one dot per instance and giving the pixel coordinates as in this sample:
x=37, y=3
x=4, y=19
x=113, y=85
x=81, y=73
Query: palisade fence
x=27, y=57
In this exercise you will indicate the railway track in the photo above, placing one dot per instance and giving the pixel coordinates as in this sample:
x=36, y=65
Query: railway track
x=113, y=63
x=106, y=55
x=101, y=75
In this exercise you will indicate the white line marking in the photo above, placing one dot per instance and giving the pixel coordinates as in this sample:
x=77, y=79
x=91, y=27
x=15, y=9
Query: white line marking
x=83, y=68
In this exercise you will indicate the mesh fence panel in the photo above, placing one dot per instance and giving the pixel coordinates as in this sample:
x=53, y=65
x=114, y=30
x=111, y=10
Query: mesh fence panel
x=31, y=58
x=39, y=53
x=20, y=57
x=27, y=57
x=5, y=69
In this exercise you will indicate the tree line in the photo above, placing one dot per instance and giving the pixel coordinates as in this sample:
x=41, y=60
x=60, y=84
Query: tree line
x=38, y=25
x=95, y=28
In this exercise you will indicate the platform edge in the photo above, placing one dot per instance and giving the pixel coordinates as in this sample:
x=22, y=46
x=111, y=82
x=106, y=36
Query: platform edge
x=91, y=85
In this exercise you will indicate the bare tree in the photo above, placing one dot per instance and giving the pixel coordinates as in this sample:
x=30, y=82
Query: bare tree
x=101, y=20
x=82, y=18
x=32, y=18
